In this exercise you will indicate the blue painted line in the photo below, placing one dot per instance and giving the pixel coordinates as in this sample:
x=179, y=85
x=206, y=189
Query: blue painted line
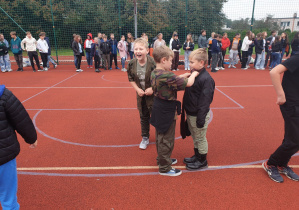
x=91, y=145
x=139, y=174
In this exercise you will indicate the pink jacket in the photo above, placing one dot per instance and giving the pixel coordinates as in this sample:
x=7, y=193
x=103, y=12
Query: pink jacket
x=123, y=49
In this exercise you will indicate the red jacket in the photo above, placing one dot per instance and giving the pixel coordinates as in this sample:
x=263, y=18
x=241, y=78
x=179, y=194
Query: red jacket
x=225, y=43
x=88, y=40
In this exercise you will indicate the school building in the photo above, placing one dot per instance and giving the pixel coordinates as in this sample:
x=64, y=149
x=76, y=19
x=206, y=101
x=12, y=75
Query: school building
x=288, y=23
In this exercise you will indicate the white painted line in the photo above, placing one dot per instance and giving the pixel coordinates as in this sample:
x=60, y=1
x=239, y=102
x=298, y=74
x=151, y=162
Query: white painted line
x=230, y=98
x=244, y=86
x=122, y=168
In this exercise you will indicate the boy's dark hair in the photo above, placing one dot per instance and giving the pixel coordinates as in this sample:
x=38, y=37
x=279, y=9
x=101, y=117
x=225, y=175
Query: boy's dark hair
x=13, y=33
x=104, y=37
x=74, y=35
x=216, y=36
x=203, y=31
x=237, y=34
x=42, y=34
x=162, y=52
x=272, y=32
x=220, y=36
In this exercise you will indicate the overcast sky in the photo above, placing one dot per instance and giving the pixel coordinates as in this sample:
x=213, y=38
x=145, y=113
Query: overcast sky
x=236, y=9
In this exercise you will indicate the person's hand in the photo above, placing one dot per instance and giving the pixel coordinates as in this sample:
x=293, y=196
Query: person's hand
x=140, y=92
x=149, y=91
x=281, y=99
x=196, y=73
x=34, y=145
x=186, y=75
x=187, y=48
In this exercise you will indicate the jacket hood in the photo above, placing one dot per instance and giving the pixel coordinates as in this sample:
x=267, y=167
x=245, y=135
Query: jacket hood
x=89, y=34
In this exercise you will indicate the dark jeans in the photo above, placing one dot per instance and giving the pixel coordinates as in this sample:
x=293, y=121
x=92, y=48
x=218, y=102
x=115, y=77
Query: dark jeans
x=131, y=54
x=290, y=143
x=209, y=57
x=269, y=55
x=113, y=56
x=31, y=55
x=106, y=61
x=240, y=57
x=97, y=61
x=44, y=57
x=19, y=60
x=175, y=60
x=223, y=56
x=214, y=60
x=244, y=58
x=145, y=115
x=89, y=58
x=79, y=57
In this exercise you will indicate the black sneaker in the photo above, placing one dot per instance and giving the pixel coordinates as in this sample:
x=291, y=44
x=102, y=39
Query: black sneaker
x=272, y=172
x=197, y=165
x=34, y=70
x=174, y=161
x=288, y=172
x=20, y=69
x=190, y=160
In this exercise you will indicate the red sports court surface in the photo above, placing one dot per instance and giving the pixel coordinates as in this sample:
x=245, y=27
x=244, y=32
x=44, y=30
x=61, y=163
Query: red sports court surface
x=88, y=136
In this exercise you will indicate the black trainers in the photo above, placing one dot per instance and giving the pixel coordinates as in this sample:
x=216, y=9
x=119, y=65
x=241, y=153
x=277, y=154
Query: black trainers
x=288, y=172
x=174, y=161
x=272, y=172
x=197, y=165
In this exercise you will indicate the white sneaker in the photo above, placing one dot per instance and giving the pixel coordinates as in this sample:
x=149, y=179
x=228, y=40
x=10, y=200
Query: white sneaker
x=257, y=68
x=229, y=66
x=234, y=67
x=172, y=172
x=262, y=68
x=55, y=66
x=79, y=70
x=173, y=70
x=144, y=142
x=125, y=69
x=40, y=70
x=3, y=71
x=217, y=69
x=222, y=68
x=177, y=69
x=46, y=69
x=208, y=66
x=186, y=69
x=9, y=70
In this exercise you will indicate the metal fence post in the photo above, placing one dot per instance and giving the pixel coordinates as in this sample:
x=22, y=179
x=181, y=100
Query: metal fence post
x=54, y=32
x=252, y=16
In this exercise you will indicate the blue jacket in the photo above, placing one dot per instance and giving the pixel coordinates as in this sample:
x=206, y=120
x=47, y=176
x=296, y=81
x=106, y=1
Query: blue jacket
x=48, y=42
x=15, y=46
x=215, y=47
x=95, y=49
x=113, y=44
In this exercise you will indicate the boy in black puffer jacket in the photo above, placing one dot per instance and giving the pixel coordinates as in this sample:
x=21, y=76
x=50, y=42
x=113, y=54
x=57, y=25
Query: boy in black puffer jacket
x=13, y=117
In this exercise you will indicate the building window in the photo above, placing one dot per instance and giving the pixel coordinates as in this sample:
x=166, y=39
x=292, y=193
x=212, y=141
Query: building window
x=288, y=23
x=298, y=23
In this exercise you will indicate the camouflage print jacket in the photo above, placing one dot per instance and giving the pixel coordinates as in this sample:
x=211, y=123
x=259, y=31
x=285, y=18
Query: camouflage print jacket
x=133, y=77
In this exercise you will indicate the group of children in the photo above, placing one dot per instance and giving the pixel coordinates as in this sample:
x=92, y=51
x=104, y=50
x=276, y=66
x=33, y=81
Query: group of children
x=102, y=51
x=156, y=87
x=28, y=44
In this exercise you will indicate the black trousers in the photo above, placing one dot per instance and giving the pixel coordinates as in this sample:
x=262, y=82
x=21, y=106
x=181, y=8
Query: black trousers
x=44, y=57
x=290, y=143
x=79, y=58
x=113, y=56
x=145, y=115
x=97, y=61
x=244, y=58
x=175, y=60
x=269, y=55
x=240, y=57
x=209, y=57
x=31, y=55
x=223, y=56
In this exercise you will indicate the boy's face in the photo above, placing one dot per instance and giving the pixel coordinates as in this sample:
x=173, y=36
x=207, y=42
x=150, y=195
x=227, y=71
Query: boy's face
x=112, y=36
x=166, y=63
x=105, y=39
x=140, y=51
x=29, y=36
x=123, y=38
x=195, y=64
x=42, y=37
x=204, y=33
x=13, y=36
x=96, y=40
x=1, y=37
x=100, y=35
x=238, y=36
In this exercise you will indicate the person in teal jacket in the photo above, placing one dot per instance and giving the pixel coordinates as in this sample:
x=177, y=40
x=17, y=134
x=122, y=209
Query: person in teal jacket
x=15, y=45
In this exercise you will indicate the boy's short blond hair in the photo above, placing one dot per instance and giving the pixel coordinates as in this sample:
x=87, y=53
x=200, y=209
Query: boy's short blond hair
x=104, y=37
x=13, y=33
x=162, y=52
x=200, y=54
x=28, y=32
x=142, y=42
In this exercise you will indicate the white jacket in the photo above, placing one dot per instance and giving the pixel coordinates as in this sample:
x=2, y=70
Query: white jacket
x=42, y=46
x=30, y=44
x=246, y=43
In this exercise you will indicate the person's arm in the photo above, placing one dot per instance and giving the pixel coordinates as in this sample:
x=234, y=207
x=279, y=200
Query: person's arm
x=139, y=91
x=38, y=46
x=276, y=81
x=204, y=101
x=19, y=118
x=199, y=42
x=191, y=46
x=22, y=44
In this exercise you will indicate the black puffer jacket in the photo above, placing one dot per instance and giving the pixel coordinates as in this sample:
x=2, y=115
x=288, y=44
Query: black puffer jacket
x=13, y=117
